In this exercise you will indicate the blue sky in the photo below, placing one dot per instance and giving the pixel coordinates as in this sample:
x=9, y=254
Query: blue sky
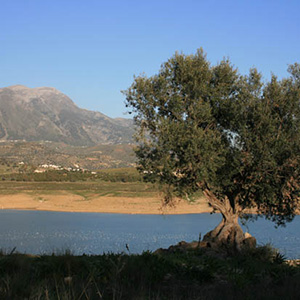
x=91, y=49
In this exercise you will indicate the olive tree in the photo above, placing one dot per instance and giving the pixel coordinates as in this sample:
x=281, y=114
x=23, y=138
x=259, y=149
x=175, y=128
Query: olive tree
x=234, y=137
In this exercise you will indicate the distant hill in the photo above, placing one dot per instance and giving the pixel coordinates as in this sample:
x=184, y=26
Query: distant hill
x=61, y=154
x=46, y=114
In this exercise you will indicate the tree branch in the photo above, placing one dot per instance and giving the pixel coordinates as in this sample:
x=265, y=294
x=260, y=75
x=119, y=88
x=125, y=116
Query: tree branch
x=222, y=205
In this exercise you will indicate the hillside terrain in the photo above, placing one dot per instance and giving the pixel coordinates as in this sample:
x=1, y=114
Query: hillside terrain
x=46, y=114
x=23, y=154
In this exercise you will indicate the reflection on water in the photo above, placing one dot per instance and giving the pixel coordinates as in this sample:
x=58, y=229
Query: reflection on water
x=39, y=232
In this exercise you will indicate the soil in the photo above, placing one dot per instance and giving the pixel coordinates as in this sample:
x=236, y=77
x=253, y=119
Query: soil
x=69, y=202
x=76, y=203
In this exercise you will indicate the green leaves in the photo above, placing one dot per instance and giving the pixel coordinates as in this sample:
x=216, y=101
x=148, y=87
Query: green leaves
x=208, y=126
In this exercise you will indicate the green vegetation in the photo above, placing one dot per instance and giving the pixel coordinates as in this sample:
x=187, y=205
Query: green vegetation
x=193, y=274
x=121, y=175
x=234, y=137
x=125, y=182
x=101, y=188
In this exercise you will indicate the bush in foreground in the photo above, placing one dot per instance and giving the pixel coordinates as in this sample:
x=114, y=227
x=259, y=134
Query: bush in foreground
x=194, y=274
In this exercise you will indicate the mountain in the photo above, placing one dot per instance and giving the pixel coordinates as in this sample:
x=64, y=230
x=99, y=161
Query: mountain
x=44, y=113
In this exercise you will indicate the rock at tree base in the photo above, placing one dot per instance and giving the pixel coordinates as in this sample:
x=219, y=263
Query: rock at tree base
x=248, y=242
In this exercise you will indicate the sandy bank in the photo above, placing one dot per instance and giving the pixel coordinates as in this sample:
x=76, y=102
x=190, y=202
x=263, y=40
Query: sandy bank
x=69, y=202
x=76, y=203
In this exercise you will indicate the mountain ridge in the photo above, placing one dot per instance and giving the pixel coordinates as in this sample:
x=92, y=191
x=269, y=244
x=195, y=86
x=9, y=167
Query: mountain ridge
x=45, y=113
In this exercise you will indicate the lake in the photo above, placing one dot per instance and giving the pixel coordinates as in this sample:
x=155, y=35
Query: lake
x=43, y=232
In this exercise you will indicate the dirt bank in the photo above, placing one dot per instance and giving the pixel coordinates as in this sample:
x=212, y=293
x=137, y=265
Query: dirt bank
x=75, y=203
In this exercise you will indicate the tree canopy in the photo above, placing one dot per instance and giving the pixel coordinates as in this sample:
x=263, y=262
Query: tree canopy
x=234, y=137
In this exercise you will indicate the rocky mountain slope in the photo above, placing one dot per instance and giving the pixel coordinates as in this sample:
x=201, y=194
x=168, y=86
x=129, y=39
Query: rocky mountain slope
x=39, y=114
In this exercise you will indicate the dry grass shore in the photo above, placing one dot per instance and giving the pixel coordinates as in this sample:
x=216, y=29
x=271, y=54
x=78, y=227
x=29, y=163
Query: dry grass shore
x=101, y=197
x=68, y=201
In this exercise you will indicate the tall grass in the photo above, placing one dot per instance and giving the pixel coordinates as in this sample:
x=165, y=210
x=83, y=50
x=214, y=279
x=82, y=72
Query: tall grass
x=194, y=274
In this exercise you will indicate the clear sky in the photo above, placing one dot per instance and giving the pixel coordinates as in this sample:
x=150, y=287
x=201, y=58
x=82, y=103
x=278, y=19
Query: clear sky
x=90, y=49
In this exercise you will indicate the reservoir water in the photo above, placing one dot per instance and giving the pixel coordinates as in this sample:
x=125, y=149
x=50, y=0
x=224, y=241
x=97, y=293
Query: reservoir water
x=42, y=232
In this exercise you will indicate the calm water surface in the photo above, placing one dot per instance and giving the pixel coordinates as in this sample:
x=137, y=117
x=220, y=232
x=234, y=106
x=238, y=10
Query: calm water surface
x=40, y=232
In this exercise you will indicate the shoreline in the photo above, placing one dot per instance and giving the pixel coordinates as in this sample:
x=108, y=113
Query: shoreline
x=104, y=212
x=68, y=202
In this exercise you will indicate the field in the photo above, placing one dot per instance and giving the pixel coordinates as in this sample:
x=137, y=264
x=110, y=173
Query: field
x=108, y=190
x=85, y=189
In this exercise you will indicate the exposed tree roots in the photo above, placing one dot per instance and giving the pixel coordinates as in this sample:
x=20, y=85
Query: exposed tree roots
x=229, y=234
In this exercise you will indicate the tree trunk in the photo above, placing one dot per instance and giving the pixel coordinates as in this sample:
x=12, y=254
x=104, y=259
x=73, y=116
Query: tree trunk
x=228, y=234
